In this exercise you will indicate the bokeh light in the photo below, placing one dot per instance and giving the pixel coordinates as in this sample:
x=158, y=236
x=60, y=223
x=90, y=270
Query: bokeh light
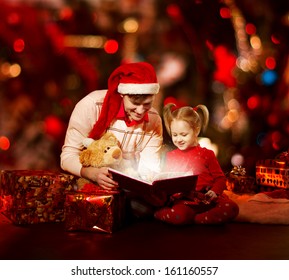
x=269, y=77
x=174, y=12
x=250, y=28
x=275, y=40
x=13, y=18
x=10, y=70
x=111, y=46
x=237, y=159
x=225, y=12
x=253, y=102
x=272, y=119
x=130, y=25
x=255, y=42
x=270, y=63
x=4, y=143
x=18, y=45
x=15, y=70
x=53, y=126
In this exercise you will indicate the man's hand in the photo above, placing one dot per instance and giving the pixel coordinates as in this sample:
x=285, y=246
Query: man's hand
x=101, y=176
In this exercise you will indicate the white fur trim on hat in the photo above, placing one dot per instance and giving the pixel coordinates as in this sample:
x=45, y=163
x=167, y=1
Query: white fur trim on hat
x=151, y=88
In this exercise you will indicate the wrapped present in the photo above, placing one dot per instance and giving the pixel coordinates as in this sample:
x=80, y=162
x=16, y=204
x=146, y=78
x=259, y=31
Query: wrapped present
x=34, y=196
x=239, y=182
x=95, y=211
x=273, y=173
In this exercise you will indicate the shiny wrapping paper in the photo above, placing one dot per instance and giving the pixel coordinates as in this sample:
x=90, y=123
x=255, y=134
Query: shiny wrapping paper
x=34, y=196
x=98, y=211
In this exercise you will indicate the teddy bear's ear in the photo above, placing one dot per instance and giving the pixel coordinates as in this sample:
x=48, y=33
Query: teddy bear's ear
x=87, y=141
x=106, y=136
x=84, y=157
x=111, y=137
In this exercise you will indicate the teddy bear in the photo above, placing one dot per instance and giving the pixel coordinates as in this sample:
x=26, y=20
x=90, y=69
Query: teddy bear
x=104, y=152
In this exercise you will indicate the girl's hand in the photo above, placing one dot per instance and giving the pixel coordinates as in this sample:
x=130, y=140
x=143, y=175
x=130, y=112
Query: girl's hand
x=210, y=195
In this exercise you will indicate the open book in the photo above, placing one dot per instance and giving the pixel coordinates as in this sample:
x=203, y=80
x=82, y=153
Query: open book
x=163, y=183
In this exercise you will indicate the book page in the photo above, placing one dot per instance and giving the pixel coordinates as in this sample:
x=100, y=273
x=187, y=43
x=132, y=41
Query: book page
x=169, y=175
x=134, y=177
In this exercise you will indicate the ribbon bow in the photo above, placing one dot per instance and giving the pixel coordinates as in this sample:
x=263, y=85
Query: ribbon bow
x=283, y=156
x=238, y=171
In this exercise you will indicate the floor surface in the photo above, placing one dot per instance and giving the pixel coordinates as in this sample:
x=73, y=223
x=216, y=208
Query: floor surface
x=145, y=240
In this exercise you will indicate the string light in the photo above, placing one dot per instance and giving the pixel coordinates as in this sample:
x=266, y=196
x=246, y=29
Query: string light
x=247, y=56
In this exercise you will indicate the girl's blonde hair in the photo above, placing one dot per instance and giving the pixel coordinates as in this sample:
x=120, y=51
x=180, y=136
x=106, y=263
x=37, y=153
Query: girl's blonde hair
x=187, y=114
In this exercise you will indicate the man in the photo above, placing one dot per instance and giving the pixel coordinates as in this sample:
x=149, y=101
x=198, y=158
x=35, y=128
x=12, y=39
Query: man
x=125, y=109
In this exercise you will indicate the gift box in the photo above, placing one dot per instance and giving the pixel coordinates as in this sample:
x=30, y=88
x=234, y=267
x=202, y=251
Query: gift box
x=34, y=196
x=98, y=211
x=273, y=173
x=239, y=182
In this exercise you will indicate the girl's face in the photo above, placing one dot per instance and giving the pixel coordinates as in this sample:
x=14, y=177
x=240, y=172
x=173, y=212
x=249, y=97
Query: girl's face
x=183, y=136
x=136, y=110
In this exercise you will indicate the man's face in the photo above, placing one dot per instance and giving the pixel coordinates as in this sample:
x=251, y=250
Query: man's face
x=137, y=108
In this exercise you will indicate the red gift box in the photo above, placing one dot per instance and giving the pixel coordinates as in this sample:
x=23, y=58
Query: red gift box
x=98, y=211
x=34, y=196
x=239, y=182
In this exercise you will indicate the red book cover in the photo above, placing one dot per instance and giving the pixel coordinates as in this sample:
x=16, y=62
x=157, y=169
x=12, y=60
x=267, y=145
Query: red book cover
x=167, y=183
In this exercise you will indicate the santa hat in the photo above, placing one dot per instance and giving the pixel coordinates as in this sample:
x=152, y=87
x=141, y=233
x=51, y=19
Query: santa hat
x=131, y=78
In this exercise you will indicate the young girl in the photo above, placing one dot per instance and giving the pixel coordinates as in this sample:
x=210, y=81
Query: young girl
x=207, y=204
